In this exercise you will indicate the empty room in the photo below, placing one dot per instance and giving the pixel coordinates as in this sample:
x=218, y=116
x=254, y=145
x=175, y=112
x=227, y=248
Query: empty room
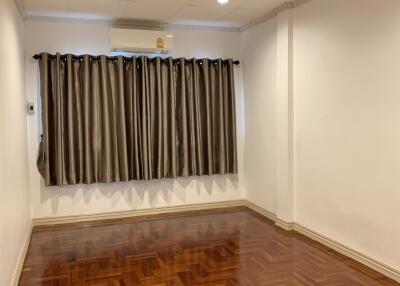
x=199, y=142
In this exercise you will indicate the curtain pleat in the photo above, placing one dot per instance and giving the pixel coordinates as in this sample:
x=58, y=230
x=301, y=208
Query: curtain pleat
x=182, y=121
x=116, y=119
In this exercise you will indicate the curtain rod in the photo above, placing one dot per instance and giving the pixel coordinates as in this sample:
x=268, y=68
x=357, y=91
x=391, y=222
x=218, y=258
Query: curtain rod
x=39, y=56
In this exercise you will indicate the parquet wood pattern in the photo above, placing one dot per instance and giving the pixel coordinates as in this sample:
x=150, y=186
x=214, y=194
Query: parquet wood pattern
x=229, y=247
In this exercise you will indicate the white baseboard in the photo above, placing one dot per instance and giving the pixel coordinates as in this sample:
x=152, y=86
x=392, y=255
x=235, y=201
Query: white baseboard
x=261, y=211
x=270, y=215
x=135, y=213
x=349, y=252
x=21, y=258
x=345, y=250
x=290, y=226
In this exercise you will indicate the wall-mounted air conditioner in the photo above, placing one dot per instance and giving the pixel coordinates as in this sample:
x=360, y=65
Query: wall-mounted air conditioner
x=141, y=41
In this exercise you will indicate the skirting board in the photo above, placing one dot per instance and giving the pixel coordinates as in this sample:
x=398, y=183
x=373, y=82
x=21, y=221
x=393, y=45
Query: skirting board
x=21, y=258
x=289, y=226
x=281, y=223
x=347, y=251
x=134, y=213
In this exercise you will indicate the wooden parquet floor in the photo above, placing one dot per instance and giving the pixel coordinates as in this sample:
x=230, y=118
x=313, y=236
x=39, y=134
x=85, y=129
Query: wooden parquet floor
x=229, y=247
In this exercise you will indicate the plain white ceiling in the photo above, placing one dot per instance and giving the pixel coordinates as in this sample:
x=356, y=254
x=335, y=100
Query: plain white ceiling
x=236, y=13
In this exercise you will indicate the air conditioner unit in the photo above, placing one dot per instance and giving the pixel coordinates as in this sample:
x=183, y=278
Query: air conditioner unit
x=141, y=41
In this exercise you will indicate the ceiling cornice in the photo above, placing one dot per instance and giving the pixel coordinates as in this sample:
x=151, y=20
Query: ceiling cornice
x=21, y=8
x=150, y=25
x=127, y=23
x=273, y=13
x=297, y=3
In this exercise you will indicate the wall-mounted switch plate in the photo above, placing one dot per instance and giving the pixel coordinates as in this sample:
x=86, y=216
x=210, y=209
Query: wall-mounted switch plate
x=30, y=108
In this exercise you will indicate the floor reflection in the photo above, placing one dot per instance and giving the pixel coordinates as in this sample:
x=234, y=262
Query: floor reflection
x=231, y=246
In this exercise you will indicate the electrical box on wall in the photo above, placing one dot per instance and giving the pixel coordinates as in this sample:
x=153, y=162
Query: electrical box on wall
x=30, y=108
x=141, y=41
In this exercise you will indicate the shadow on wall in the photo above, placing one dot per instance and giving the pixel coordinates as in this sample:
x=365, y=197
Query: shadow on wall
x=137, y=194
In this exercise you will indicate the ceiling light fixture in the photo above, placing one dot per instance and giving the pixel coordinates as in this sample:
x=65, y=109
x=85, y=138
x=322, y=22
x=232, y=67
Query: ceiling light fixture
x=222, y=2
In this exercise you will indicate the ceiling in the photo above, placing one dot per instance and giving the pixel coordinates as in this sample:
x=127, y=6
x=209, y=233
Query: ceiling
x=234, y=14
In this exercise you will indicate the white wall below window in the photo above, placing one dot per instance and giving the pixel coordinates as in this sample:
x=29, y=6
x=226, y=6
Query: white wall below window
x=81, y=38
x=14, y=175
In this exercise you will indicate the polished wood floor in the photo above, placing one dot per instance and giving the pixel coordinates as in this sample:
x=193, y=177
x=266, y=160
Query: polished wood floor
x=221, y=247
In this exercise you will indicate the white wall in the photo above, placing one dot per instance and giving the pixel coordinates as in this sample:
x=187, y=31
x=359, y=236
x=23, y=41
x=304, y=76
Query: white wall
x=259, y=80
x=346, y=92
x=14, y=175
x=75, y=200
x=347, y=123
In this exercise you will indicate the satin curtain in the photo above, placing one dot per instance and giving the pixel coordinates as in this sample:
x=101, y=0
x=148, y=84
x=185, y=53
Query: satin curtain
x=110, y=120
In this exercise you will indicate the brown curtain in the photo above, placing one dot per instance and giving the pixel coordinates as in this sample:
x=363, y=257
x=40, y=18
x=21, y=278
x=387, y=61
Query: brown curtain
x=120, y=119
